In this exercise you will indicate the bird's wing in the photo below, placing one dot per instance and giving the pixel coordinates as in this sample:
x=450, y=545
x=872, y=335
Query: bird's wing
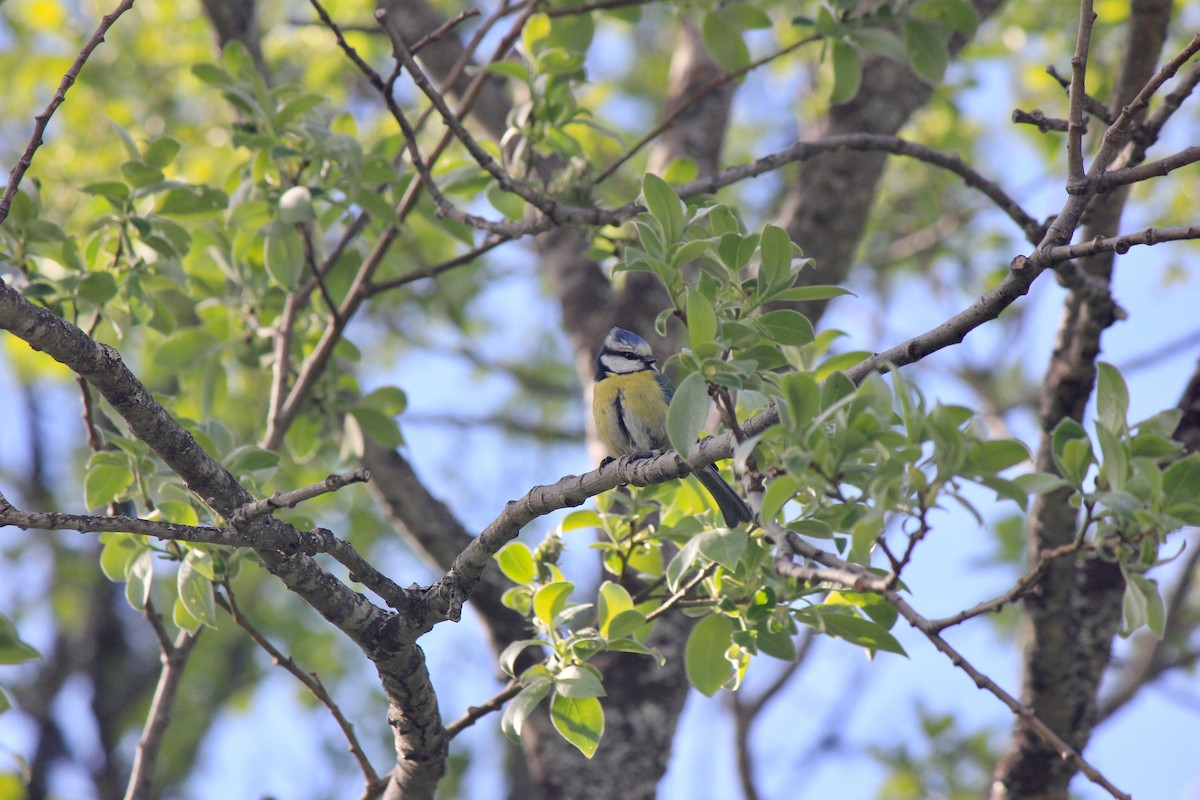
x=664, y=383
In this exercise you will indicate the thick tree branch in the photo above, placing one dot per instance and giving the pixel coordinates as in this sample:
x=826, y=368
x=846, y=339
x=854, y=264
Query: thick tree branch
x=387, y=639
x=1074, y=613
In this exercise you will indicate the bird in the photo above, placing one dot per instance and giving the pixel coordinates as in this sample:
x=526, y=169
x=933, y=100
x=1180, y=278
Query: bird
x=629, y=402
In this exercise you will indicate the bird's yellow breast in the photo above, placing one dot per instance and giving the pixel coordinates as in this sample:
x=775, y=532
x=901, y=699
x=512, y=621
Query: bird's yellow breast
x=630, y=412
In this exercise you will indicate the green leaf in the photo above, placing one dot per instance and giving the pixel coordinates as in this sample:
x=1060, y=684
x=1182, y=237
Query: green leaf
x=536, y=29
x=1072, y=451
x=1112, y=398
x=283, y=255
x=854, y=629
x=864, y=534
x=686, y=415
x=701, y=319
x=508, y=657
x=778, y=492
x=577, y=681
x=801, y=399
x=98, y=287
x=379, y=426
x=581, y=518
x=680, y=171
x=840, y=362
x=511, y=69
x=113, y=190
x=179, y=512
x=161, y=152
x=138, y=578
x=1180, y=481
x=12, y=649
x=572, y=32
x=196, y=593
x=140, y=175
x=787, y=327
x=521, y=706
x=512, y=206
x=626, y=623
x=389, y=400
x=704, y=657
x=847, y=72
x=579, y=720
x=515, y=560
x=746, y=16
x=996, y=455
x=614, y=599
x=724, y=545
x=775, y=260
x=130, y=146
x=1141, y=605
x=664, y=206
x=1039, y=482
x=551, y=599
x=249, y=458
x=212, y=75
x=957, y=14
x=803, y=294
x=119, y=551
x=724, y=42
x=881, y=41
x=105, y=483
x=926, y=46
x=1114, y=466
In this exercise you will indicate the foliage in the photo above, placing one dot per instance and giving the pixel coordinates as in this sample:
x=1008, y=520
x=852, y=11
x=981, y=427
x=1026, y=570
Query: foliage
x=260, y=243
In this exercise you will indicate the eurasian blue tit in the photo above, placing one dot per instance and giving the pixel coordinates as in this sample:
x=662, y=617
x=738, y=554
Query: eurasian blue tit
x=629, y=401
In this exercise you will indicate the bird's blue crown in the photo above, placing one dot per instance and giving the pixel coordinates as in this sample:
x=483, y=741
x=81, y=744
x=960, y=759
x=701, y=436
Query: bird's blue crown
x=624, y=338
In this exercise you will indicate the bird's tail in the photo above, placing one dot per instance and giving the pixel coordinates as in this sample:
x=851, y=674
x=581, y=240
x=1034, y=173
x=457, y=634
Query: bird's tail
x=733, y=507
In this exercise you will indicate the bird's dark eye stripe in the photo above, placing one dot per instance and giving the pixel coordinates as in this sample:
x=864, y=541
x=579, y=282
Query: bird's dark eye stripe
x=608, y=351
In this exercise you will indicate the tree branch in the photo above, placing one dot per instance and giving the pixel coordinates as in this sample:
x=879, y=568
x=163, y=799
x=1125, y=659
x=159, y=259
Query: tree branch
x=43, y=119
x=174, y=659
x=309, y=680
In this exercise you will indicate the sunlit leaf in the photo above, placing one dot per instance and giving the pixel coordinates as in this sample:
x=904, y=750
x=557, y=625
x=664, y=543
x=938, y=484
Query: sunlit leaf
x=704, y=657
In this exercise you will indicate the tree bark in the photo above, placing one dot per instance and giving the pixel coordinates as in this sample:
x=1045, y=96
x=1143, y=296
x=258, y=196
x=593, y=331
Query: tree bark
x=1074, y=611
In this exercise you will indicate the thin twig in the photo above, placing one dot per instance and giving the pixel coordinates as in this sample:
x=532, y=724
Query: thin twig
x=695, y=97
x=507, y=181
x=1038, y=117
x=310, y=258
x=1150, y=169
x=601, y=5
x=314, y=366
x=332, y=483
x=1148, y=133
x=281, y=370
x=682, y=592
x=981, y=680
x=474, y=713
x=1120, y=244
x=174, y=657
x=1075, y=123
x=43, y=119
x=310, y=680
x=1090, y=104
x=441, y=30
x=436, y=270
x=1018, y=590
